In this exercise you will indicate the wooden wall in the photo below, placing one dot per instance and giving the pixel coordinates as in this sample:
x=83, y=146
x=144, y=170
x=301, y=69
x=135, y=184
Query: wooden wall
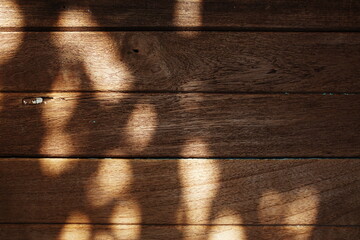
x=179, y=119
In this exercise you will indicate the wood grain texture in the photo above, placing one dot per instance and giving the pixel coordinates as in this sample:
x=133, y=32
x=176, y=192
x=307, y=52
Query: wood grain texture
x=280, y=14
x=180, y=191
x=178, y=100
x=174, y=125
x=169, y=61
x=131, y=232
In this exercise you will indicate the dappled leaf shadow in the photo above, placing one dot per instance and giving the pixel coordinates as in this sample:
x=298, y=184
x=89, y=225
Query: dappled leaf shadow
x=151, y=195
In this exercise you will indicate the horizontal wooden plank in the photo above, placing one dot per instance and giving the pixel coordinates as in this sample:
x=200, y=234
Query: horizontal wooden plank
x=135, y=232
x=280, y=14
x=180, y=191
x=168, y=61
x=179, y=125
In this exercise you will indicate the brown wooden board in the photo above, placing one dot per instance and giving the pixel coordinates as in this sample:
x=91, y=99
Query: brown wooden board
x=181, y=191
x=280, y=14
x=179, y=125
x=188, y=232
x=172, y=61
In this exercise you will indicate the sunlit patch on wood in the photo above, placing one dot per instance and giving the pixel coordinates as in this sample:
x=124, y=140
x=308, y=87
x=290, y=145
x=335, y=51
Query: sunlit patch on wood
x=9, y=44
x=113, y=178
x=297, y=206
x=75, y=17
x=141, y=126
x=233, y=232
x=103, y=235
x=123, y=232
x=272, y=206
x=71, y=231
x=200, y=181
x=306, y=205
x=195, y=146
x=53, y=167
x=10, y=10
x=127, y=212
x=57, y=136
x=101, y=59
x=188, y=14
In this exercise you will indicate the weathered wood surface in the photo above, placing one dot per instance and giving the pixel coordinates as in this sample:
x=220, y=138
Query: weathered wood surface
x=184, y=191
x=168, y=61
x=189, y=232
x=174, y=125
x=280, y=14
